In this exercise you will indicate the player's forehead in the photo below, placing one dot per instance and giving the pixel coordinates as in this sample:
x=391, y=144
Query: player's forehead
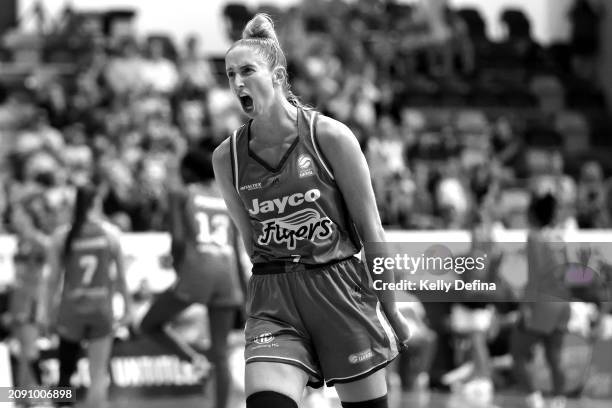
x=243, y=55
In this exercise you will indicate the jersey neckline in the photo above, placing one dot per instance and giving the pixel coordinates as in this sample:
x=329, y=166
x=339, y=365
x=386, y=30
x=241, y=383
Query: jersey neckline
x=283, y=159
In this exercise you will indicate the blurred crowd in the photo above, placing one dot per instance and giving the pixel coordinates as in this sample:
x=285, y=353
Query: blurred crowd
x=124, y=116
x=129, y=107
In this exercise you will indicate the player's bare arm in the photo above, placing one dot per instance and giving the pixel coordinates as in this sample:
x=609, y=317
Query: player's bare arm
x=176, y=200
x=352, y=175
x=121, y=280
x=223, y=176
x=52, y=284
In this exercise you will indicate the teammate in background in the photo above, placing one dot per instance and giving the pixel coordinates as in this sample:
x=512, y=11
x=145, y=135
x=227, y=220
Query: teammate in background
x=298, y=187
x=205, y=257
x=473, y=319
x=35, y=213
x=86, y=262
x=544, y=312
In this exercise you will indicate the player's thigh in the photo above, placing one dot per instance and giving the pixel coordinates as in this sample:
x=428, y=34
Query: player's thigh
x=285, y=379
x=370, y=387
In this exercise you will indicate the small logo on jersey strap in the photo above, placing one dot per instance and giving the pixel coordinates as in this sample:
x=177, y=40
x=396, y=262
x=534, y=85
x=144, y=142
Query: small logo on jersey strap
x=264, y=338
x=361, y=356
x=303, y=224
x=305, y=165
x=250, y=187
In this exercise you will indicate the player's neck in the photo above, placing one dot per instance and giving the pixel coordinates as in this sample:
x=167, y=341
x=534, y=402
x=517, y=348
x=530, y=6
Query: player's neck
x=274, y=125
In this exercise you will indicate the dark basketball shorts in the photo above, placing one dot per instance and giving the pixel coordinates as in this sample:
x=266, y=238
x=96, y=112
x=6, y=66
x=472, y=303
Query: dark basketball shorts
x=325, y=320
x=76, y=326
x=208, y=282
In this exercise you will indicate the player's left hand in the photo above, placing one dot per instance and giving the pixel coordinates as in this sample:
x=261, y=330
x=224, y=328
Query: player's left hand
x=400, y=326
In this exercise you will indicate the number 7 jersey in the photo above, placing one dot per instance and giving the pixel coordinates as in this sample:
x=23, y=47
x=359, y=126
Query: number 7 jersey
x=89, y=273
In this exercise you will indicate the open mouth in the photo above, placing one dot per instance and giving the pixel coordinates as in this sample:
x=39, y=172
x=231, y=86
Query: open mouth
x=246, y=102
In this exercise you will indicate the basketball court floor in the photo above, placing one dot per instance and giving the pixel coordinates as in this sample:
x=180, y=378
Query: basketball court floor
x=397, y=400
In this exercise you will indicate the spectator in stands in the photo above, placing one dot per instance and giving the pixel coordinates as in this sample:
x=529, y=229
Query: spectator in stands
x=562, y=186
x=452, y=200
x=398, y=200
x=124, y=72
x=384, y=156
x=591, y=201
x=196, y=72
x=360, y=61
x=191, y=117
x=455, y=53
x=585, y=18
x=41, y=133
x=505, y=143
x=159, y=73
x=78, y=155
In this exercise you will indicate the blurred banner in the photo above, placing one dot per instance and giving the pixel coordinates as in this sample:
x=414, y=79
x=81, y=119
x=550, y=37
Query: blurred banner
x=138, y=367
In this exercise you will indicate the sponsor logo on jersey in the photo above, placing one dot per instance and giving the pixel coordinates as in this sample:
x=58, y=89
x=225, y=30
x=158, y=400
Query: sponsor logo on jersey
x=280, y=204
x=250, y=187
x=305, y=165
x=303, y=224
x=361, y=356
x=264, y=338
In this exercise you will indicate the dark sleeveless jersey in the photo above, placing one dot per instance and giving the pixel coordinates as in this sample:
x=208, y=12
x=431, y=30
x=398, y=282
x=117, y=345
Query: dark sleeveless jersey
x=296, y=210
x=88, y=275
x=210, y=234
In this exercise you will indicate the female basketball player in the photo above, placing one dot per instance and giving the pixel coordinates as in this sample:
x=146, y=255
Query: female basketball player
x=206, y=261
x=296, y=183
x=32, y=219
x=546, y=310
x=81, y=259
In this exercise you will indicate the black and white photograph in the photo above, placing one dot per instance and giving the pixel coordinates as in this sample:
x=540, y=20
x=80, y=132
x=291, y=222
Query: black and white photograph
x=306, y=203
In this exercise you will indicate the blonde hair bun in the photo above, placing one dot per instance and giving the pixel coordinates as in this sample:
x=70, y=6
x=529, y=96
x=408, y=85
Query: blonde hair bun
x=260, y=26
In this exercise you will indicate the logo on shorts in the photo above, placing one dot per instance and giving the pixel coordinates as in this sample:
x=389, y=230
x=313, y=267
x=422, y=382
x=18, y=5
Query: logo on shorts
x=305, y=165
x=264, y=338
x=361, y=356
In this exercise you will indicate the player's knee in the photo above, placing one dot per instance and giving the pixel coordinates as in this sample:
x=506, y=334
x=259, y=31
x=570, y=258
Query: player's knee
x=266, y=399
x=380, y=402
